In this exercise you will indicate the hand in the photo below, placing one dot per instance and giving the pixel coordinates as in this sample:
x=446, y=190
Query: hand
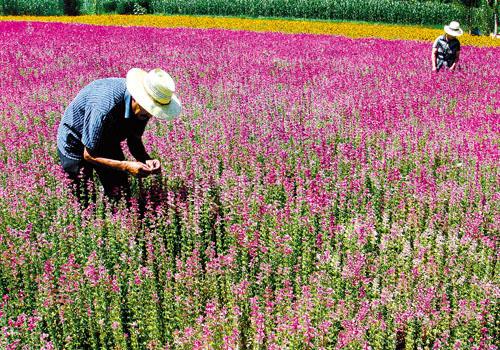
x=138, y=169
x=434, y=69
x=154, y=165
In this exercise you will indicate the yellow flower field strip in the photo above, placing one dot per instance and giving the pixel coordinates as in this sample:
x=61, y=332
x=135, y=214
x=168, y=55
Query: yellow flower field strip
x=348, y=29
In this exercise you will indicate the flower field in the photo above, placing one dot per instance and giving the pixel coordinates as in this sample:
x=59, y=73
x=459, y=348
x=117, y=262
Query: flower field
x=318, y=192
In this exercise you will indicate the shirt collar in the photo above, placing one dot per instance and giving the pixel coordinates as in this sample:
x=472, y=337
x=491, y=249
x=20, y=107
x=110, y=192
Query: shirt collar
x=448, y=40
x=128, y=107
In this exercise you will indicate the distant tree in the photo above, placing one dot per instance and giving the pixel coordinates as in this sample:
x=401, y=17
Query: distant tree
x=10, y=7
x=494, y=5
x=470, y=5
x=72, y=7
x=490, y=5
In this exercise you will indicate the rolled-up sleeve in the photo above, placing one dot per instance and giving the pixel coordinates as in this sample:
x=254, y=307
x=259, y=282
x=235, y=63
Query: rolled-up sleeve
x=436, y=42
x=93, y=129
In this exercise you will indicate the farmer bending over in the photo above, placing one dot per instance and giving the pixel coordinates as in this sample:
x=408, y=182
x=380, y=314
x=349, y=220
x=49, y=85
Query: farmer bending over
x=105, y=113
x=446, y=48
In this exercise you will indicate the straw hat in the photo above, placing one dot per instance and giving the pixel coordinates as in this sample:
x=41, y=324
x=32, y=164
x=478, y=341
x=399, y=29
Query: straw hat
x=154, y=91
x=453, y=29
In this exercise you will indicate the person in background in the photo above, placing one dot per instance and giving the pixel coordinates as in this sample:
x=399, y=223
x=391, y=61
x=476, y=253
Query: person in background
x=446, y=48
x=102, y=115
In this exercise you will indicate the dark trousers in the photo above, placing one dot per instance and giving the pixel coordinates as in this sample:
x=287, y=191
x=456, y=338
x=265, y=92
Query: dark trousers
x=443, y=63
x=115, y=182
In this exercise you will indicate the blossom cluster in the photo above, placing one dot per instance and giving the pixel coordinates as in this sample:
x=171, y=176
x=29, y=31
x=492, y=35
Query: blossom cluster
x=348, y=29
x=317, y=192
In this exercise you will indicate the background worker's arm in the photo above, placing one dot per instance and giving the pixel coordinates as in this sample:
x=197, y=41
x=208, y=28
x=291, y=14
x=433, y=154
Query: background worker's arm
x=434, y=58
x=454, y=65
x=134, y=168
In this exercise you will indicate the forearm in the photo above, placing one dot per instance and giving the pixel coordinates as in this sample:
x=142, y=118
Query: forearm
x=107, y=162
x=455, y=62
x=434, y=58
x=138, y=150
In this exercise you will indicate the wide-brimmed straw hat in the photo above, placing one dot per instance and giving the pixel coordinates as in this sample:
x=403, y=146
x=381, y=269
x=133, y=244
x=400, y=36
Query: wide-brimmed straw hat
x=154, y=91
x=453, y=29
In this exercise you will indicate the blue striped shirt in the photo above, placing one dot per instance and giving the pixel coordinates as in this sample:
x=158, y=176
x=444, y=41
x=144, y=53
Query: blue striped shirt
x=99, y=115
x=446, y=50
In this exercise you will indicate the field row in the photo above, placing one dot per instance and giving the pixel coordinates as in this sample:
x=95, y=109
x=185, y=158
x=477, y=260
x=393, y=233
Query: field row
x=385, y=11
x=348, y=29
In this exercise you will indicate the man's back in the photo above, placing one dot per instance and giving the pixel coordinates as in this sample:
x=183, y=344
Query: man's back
x=446, y=48
x=94, y=102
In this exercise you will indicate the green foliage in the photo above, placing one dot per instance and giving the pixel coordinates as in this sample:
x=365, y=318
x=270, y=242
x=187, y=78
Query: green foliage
x=31, y=7
x=408, y=12
x=129, y=7
x=109, y=6
x=482, y=18
x=71, y=7
x=478, y=14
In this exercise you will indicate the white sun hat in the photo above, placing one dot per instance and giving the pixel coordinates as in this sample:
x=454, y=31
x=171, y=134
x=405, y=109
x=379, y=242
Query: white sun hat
x=453, y=29
x=154, y=91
